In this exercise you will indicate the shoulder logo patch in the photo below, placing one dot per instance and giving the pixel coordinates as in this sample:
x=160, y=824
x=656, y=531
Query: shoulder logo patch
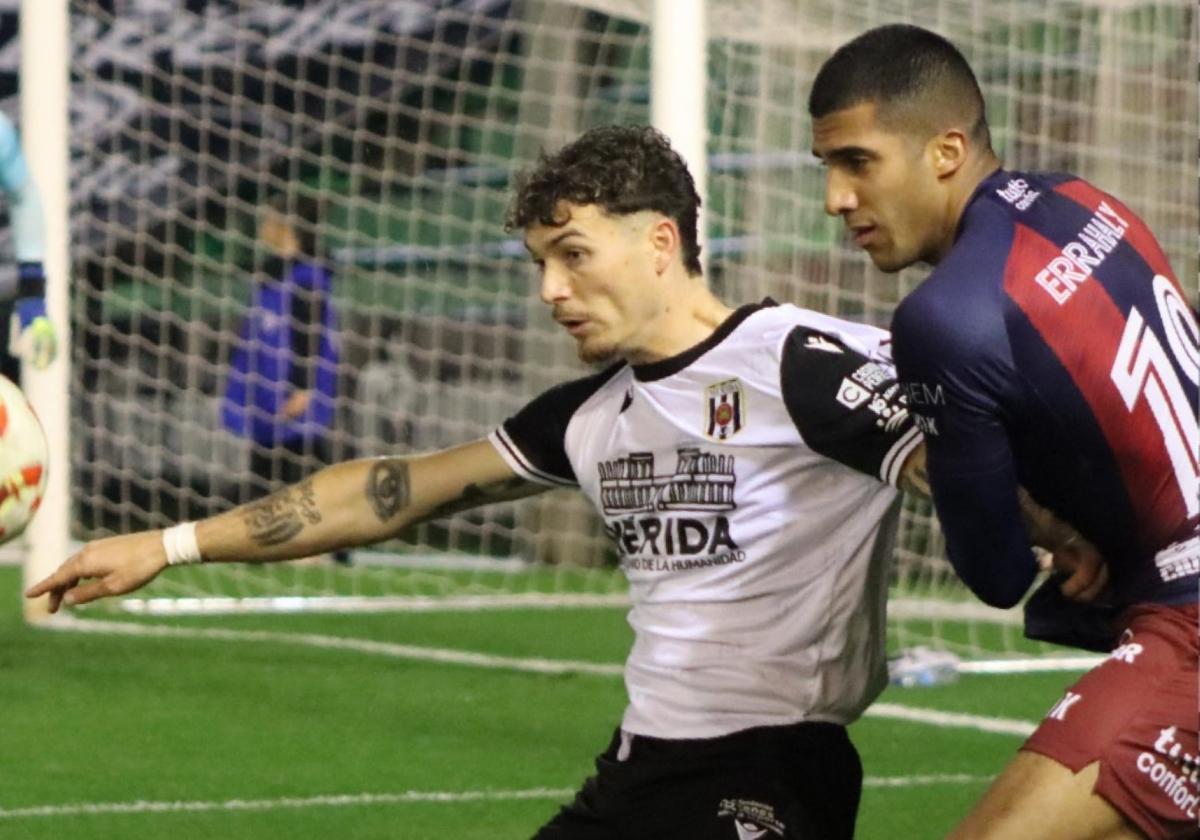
x=851, y=394
x=628, y=401
x=820, y=342
x=725, y=409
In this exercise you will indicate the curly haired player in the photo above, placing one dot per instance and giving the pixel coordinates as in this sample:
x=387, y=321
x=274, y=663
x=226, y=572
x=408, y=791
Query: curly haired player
x=744, y=462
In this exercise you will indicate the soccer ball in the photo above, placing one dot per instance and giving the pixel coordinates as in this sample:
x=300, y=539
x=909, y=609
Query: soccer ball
x=24, y=455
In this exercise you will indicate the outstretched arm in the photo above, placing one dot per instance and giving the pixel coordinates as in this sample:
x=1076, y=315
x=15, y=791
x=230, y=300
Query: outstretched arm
x=349, y=504
x=1065, y=550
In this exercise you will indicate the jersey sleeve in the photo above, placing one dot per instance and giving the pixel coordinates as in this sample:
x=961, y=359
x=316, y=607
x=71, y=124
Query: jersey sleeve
x=953, y=378
x=846, y=405
x=25, y=203
x=533, y=441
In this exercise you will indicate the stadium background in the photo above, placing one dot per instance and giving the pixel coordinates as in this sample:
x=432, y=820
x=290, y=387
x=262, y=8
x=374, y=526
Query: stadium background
x=409, y=117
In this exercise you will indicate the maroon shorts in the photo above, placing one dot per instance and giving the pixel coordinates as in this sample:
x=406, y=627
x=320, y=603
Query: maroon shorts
x=1136, y=713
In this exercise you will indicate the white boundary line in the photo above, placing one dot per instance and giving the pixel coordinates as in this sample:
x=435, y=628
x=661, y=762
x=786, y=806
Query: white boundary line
x=933, y=717
x=336, y=801
x=427, y=654
x=373, y=604
x=142, y=806
x=956, y=720
x=1081, y=662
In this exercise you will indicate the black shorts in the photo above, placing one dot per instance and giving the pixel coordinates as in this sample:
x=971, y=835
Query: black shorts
x=801, y=781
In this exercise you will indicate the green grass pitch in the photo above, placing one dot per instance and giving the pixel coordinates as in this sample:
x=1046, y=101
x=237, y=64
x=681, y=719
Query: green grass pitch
x=116, y=737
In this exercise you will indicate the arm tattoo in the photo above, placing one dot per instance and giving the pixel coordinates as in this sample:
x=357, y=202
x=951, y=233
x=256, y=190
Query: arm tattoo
x=474, y=495
x=282, y=515
x=388, y=487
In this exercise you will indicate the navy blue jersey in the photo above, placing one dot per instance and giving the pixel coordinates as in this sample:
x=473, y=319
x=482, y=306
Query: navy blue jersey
x=1053, y=348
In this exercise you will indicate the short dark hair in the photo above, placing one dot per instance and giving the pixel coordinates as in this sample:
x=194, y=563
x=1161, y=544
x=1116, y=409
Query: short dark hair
x=622, y=169
x=908, y=72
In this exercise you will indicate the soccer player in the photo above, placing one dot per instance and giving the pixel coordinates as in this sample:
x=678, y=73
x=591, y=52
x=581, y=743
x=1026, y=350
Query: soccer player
x=1053, y=347
x=745, y=463
x=26, y=333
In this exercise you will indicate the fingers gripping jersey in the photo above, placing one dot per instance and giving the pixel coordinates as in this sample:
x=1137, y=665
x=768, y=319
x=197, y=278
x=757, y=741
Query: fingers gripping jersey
x=1053, y=347
x=744, y=485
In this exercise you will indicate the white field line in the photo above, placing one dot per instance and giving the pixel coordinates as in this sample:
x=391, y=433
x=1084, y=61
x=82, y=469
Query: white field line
x=931, y=717
x=334, y=801
x=140, y=806
x=427, y=654
x=275, y=605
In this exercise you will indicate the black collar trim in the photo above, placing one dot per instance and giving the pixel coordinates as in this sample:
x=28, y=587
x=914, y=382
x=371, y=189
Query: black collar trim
x=670, y=366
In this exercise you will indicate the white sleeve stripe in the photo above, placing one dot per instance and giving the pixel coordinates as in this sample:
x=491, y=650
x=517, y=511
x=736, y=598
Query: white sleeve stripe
x=516, y=459
x=893, y=462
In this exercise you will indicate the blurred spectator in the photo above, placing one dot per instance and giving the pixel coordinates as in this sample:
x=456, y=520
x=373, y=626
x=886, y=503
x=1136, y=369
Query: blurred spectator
x=283, y=375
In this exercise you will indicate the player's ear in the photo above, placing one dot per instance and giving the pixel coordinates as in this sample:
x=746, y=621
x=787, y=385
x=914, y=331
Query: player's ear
x=948, y=152
x=665, y=240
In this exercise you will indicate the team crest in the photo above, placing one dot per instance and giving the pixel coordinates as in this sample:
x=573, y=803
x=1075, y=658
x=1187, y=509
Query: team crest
x=725, y=409
x=753, y=820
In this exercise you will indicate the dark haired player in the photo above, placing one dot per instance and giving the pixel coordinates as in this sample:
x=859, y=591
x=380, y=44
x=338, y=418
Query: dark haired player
x=1052, y=347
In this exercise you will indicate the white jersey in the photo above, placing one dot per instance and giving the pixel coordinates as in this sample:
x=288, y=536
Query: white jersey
x=746, y=484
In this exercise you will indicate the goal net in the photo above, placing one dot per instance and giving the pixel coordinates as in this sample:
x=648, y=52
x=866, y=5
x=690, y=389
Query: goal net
x=406, y=120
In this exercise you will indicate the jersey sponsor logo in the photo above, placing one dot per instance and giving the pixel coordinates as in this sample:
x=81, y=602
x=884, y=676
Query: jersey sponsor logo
x=725, y=409
x=673, y=543
x=1182, y=559
x=918, y=393
x=873, y=385
x=1177, y=786
x=927, y=425
x=1017, y=193
x=851, y=394
x=820, y=342
x=1082, y=256
x=753, y=820
x=701, y=483
x=872, y=375
x=1173, y=771
x=1126, y=653
x=1060, y=709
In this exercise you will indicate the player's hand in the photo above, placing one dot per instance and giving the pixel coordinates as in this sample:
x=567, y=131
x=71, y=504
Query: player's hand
x=31, y=335
x=1087, y=573
x=102, y=568
x=296, y=404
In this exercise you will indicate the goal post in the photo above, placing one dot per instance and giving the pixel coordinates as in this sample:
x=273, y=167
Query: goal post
x=44, y=96
x=409, y=120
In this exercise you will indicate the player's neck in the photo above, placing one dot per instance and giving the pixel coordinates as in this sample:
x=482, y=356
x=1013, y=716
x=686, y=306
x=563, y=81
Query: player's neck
x=960, y=197
x=688, y=317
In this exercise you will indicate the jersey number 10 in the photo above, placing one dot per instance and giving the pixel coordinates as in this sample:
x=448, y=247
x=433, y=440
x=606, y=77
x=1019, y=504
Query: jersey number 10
x=1143, y=369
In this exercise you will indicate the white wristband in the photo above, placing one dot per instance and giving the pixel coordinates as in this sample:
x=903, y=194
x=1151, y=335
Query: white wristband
x=180, y=544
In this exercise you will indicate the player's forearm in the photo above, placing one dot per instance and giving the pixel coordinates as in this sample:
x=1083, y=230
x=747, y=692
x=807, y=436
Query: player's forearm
x=914, y=476
x=985, y=540
x=359, y=503
x=1045, y=529
x=348, y=504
